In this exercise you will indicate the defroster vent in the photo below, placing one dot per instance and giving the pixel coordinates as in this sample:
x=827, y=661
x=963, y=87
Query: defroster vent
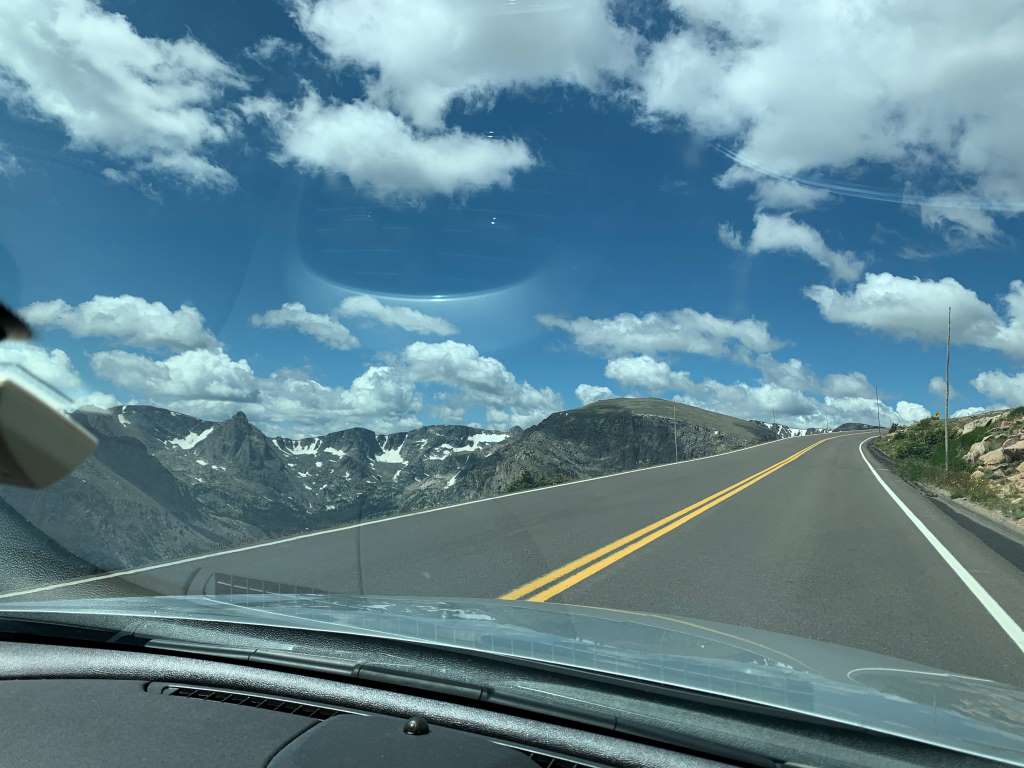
x=303, y=709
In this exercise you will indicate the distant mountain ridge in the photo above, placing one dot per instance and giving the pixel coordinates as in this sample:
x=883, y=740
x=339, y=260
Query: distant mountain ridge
x=206, y=486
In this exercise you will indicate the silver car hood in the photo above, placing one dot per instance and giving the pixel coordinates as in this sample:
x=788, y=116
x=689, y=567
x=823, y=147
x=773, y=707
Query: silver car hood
x=827, y=681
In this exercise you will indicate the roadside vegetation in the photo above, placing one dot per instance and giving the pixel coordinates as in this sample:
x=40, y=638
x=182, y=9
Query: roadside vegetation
x=984, y=465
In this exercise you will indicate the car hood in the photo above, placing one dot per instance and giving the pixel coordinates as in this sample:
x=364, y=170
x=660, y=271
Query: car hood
x=832, y=682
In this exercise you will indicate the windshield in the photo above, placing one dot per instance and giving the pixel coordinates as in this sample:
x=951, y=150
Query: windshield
x=683, y=311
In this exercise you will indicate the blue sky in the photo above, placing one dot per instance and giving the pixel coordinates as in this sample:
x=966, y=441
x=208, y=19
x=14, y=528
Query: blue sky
x=482, y=206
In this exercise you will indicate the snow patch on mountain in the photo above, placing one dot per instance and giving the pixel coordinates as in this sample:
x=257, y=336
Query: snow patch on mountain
x=479, y=440
x=391, y=455
x=191, y=440
x=304, y=447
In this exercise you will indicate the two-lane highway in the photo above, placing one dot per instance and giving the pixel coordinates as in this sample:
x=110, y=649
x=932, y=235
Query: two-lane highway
x=801, y=536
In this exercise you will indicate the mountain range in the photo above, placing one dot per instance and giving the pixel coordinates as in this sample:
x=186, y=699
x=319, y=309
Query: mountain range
x=164, y=485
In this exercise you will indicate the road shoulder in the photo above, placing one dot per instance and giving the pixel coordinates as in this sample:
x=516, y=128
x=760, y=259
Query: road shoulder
x=997, y=575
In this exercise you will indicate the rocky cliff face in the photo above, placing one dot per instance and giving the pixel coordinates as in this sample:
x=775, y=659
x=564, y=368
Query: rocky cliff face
x=164, y=485
x=997, y=453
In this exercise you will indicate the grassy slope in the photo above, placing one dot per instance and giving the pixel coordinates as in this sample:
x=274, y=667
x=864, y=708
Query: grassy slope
x=918, y=453
x=652, y=406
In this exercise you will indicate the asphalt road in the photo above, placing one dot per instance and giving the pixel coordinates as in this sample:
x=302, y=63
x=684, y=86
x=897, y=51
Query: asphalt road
x=798, y=536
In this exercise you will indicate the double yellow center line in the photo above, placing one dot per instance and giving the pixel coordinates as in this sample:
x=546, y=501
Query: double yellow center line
x=557, y=581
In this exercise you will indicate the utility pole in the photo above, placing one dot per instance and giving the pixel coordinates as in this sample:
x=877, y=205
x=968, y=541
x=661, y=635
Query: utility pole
x=675, y=429
x=878, y=413
x=949, y=339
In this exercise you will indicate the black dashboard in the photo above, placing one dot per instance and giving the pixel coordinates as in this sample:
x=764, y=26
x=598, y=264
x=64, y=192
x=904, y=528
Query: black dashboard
x=136, y=722
x=90, y=705
x=62, y=706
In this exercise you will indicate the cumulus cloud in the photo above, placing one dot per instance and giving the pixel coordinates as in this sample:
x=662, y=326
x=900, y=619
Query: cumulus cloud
x=912, y=308
x=406, y=318
x=210, y=384
x=151, y=102
x=792, y=373
x=680, y=330
x=418, y=58
x=644, y=372
x=969, y=411
x=197, y=374
x=480, y=380
x=759, y=401
x=1001, y=386
x=782, y=233
x=128, y=319
x=781, y=393
x=292, y=403
x=782, y=194
x=909, y=413
x=590, y=393
x=323, y=328
x=55, y=369
x=380, y=153
x=854, y=384
x=727, y=70
x=730, y=236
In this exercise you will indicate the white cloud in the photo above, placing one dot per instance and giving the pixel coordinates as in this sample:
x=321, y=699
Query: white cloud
x=780, y=395
x=912, y=308
x=879, y=82
x=761, y=401
x=480, y=380
x=381, y=154
x=590, y=393
x=267, y=48
x=321, y=327
x=197, y=374
x=292, y=403
x=793, y=373
x=680, y=330
x=54, y=368
x=782, y=233
x=910, y=413
x=730, y=236
x=970, y=411
x=998, y=385
x=406, y=318
x=149, y=101
x=132, y=178
x=744, y=400
x=937, y=386
x=9, y=165
x=788, y=195
x=210, y=384
x=128, y=319
x=960, y=220
x=380, y=398
x=645, y=372
x=854, y=384
x=418, y=58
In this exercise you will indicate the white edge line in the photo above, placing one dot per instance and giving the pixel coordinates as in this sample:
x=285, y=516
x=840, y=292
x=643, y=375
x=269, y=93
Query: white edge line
x=311, y=534
x=995, y=610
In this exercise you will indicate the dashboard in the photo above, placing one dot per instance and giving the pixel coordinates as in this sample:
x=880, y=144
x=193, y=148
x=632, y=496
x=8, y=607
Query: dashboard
x=95, y=707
